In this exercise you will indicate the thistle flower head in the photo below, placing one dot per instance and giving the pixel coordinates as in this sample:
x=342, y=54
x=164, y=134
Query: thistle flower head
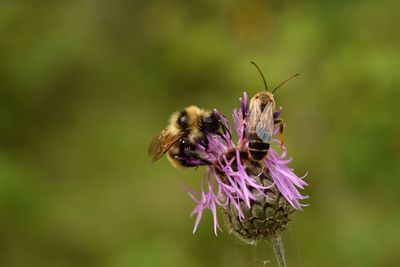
x=232, y=181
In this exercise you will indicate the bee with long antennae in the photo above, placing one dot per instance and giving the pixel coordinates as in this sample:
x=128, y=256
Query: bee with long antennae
x=260, y=125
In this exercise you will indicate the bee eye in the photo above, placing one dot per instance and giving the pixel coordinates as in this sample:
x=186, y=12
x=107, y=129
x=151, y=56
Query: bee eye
x=183, y=120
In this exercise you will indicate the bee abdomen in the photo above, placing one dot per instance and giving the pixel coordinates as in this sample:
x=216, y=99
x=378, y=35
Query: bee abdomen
x=258, y=145
x=258, y=154
x=258, y=149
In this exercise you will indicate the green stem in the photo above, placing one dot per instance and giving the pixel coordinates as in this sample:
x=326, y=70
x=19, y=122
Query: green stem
x=279, y=250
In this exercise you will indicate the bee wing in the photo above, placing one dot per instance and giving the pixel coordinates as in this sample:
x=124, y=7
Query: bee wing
x=162, y=143
x=254, y=117
x=265, y=127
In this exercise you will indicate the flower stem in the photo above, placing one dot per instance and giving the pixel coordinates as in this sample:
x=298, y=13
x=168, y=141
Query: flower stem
x=279, y=250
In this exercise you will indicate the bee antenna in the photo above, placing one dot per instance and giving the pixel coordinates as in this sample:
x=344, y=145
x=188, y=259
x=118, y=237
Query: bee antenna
x=262, y=75
x=282, y=83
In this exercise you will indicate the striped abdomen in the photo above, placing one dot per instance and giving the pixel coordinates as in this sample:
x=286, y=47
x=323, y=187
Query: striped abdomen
x=257, y=148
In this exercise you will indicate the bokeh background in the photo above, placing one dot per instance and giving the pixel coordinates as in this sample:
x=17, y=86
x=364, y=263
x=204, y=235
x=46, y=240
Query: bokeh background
x=85, y=85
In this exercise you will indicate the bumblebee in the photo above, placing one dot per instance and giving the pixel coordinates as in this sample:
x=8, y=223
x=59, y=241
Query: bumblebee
x=179, y=139
x=260, y=125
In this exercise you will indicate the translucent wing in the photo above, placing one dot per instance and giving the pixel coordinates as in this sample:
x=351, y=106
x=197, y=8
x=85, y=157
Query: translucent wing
x=265, y=126
x=162, y=143
x=254, y=117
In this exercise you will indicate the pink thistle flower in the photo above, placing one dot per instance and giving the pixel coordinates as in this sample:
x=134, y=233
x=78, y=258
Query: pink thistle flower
x=227, y=181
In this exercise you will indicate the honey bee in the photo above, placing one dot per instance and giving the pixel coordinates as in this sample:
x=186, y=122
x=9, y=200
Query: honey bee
x=179, y=139
x=260, y=125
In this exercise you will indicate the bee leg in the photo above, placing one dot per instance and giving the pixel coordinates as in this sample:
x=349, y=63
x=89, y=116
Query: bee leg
x=281, y=128
x=191, y=156
x=194, y=160
x=222, y=135
x=205, y=142
x=219, y=119
x=277, y=113
x=190, y=161
x=226, y=130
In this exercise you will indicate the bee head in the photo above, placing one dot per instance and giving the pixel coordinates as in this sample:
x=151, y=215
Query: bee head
x=187, y=119
x=262, y=98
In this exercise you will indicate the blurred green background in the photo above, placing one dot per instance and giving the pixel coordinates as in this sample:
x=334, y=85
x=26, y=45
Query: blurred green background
x=85, y=85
